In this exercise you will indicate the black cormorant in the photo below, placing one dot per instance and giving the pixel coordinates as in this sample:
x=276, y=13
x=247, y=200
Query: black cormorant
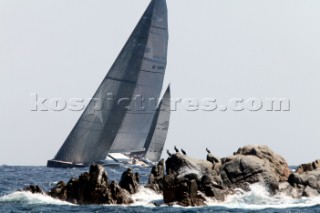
x=183, y=152
x=208, y=150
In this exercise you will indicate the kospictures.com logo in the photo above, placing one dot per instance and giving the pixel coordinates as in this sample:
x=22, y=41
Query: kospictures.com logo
x=139, y=103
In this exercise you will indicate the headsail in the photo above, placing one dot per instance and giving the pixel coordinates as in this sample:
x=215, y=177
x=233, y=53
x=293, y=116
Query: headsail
x=139, y=69
x=159, y=129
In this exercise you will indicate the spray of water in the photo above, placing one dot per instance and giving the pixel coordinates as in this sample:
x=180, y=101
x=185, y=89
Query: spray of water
x=147, y=197
x=257, y=198
x=29, y=198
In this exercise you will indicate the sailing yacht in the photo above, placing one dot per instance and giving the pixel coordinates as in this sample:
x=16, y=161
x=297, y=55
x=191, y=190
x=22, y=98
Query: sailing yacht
x=138, y=71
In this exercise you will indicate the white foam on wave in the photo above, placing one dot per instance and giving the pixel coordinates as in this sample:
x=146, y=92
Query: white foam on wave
x=146, y=197
x=257, y=198
x=29, y=198
x=260, y=198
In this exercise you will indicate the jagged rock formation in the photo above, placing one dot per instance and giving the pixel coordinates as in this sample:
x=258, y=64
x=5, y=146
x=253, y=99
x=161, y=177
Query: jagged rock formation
x=308, y=167
x=93, y=188
x=187, y=178
x=34, y=189
x=187, y=181
x=277, y=164
x=156, y=177
x=240, y=171
x=254, y=164
x=182, y=165
x=182, y=191
x=130, y=181
x=306, y=179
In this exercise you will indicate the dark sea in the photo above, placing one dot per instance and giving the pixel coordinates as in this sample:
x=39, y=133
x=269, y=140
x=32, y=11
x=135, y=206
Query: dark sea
x=13, y=178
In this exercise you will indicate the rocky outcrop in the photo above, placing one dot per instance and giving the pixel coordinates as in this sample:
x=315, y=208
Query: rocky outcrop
x=183, y=165
x=187, y=180
x=254, y=164
x=278, y=164
x=93, y=188
x=308, y=167
x=180, y=185
x=34, y=189
x=182, y=191
x=308, y=182
x=156, y=177
x=240, y=171
x=286, y=189
x=305, y=182
x=130, y=181
x=211, y=185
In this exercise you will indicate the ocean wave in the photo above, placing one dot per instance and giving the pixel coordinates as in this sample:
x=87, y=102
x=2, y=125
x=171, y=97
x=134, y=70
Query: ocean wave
x=147, y=197
x=29, y=198
x=259, y=198
x=256, y=199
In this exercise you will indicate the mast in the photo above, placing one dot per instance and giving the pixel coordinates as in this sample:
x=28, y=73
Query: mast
x=138, y=69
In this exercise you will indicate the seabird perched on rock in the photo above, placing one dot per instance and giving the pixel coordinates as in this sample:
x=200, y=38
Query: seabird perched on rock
x=211, y=157
x=183, y=152
x=169, y=153
x=208, y=150
x=175, y=148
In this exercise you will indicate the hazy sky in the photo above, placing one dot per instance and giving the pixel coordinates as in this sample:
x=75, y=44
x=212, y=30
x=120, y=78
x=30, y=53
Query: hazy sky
x=217, y=49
